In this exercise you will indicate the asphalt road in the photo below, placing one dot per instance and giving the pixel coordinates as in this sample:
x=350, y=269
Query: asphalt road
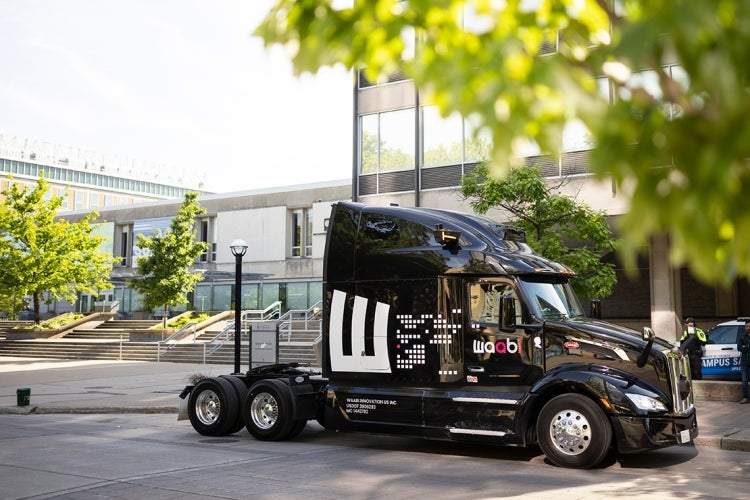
x=83, y=456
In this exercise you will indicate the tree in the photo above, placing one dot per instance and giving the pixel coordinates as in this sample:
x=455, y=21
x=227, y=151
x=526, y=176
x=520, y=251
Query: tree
x=675, y=140
x=549, y=218
x=166, y=278
x=40, y=254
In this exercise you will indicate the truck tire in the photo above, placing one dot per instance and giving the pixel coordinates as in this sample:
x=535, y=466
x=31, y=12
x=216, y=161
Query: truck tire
x=241, y=390
x=213, y=407
x=267, y=410
x=573, y=432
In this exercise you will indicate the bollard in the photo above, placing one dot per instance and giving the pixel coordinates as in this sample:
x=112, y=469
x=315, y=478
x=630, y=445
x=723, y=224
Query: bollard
x=23, y=396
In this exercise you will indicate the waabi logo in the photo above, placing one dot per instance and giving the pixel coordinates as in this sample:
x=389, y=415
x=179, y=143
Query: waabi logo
x=506, y=346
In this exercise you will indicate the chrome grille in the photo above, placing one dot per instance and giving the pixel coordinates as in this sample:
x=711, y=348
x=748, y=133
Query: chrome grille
x=680, y=382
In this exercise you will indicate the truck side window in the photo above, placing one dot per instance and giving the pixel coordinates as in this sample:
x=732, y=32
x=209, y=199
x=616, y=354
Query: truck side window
x=485, y=301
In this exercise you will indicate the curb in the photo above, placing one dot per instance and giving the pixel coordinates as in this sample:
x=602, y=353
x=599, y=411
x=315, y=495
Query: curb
x=46, y=410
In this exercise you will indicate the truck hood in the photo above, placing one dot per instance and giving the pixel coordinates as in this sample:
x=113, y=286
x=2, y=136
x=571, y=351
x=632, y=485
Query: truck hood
x=606, y=332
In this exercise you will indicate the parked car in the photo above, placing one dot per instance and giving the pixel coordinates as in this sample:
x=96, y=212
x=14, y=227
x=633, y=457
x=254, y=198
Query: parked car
x=721, y=359
x=26, y=314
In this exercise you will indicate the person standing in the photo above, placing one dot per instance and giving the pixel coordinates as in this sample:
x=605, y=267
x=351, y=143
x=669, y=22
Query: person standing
x=693, y=338
x=743, y=345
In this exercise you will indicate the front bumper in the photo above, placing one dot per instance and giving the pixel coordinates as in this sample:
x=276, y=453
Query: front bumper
x=640, y=433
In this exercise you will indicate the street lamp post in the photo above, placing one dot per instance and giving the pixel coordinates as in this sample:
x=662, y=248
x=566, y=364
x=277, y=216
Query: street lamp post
x=238, y=247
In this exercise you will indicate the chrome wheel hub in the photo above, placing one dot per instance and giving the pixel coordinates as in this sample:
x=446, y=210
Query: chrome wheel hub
x=264, y=410
x=570, y=432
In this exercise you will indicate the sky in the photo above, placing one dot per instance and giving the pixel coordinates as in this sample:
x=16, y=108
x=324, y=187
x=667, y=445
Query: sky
x=178, y=83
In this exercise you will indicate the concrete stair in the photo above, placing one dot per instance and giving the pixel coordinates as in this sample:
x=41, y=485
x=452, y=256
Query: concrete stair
x=66, y=349
x=111, y=340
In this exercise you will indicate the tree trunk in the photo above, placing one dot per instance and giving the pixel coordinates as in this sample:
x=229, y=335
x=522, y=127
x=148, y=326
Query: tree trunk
x=35, y=300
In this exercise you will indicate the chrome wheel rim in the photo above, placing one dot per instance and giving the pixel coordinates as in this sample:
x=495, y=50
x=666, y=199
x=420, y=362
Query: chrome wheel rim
x=570, y=432
x=207, y=407
x=264, y=410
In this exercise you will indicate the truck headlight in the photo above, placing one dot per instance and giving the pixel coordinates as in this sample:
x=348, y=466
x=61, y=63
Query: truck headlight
x=646, y=403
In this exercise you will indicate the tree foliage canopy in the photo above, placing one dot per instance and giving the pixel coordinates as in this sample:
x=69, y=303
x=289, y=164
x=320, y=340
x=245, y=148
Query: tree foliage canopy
x=552, y=222
x=678, y=147
x=41, y=254
x=165, y=276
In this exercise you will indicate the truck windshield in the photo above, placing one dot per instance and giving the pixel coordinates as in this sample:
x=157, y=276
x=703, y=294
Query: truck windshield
x=552, y=300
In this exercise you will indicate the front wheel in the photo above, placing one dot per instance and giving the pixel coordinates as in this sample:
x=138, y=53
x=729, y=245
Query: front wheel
x=573, y=432
x=267, y=410
x=213, y=407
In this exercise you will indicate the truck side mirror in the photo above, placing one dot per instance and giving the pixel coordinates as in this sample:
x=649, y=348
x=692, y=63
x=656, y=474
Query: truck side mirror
x=507, y=313
x=648, y=333
x=596, y=309
x=649, y=336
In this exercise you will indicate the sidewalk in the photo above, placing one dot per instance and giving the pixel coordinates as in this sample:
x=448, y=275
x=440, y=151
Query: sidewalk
x=70, y=386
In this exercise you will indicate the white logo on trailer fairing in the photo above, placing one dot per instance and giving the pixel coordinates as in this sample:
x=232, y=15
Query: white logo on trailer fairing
x=358, y=361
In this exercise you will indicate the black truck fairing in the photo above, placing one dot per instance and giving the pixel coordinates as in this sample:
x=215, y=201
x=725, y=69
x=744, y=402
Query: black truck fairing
x=407, y=350
x=448, y=326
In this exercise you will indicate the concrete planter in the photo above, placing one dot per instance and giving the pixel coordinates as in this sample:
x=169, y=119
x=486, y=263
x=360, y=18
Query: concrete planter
x=27, y=334
x=149, y=335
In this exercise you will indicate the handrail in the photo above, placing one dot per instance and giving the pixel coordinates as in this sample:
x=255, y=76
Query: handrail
x=175, y=338
x=214, y=343
x=286, y=325
x=182, y=332
x=271, y=312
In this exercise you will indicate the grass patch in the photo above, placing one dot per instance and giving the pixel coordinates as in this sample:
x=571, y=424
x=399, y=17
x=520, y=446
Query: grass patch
x=193, y=317
x=60, y=321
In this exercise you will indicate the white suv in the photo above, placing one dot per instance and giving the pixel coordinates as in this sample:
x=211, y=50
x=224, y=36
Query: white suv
x=721, y=359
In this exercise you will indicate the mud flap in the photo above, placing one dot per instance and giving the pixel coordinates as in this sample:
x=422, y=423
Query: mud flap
x=182, y=413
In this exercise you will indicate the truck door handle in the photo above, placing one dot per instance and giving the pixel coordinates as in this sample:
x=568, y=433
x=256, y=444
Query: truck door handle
x=476, y=369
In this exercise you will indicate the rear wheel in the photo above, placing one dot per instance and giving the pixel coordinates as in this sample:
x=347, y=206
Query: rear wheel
x=573, y=432
x=213, y=407
x=241, y=390
x=267, y=410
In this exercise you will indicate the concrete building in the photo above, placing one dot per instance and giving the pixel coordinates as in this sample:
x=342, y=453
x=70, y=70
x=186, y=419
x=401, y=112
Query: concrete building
x=283, y=227
x=90, y=180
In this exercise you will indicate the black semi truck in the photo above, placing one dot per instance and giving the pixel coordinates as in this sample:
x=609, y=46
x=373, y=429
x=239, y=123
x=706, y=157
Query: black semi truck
x=446, y=325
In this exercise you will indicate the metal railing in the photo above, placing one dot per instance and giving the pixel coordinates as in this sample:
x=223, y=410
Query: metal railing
x=271, y=312
x=295, y=320
x=174, y=339
x=299, y=320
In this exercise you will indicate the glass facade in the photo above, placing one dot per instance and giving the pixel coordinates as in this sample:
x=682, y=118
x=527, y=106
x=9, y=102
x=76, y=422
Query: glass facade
x=387, y=141
x=93, y=179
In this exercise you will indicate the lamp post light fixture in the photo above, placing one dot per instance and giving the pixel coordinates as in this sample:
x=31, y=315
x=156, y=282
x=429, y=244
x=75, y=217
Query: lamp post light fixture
x=238, y=247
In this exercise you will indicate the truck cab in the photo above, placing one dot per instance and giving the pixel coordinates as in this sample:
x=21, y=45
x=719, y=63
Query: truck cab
x=447, y=325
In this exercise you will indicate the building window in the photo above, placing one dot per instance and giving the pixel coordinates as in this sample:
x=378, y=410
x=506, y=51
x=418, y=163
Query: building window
x=80, y=200
x=301, y=232
x=386, y=141
x=124, y=249
x=442, y=138
x=204, y=235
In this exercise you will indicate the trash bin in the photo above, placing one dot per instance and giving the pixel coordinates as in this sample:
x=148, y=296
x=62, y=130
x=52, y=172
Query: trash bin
x=23, y=396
